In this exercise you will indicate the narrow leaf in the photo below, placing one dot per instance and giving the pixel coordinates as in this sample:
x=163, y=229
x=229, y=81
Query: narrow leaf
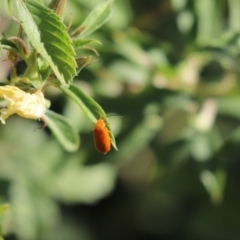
x=58, y=6
x=48, y=36
x=90, y=107
x=11, y=48
x=82, y=42
x=63, y=131
x=96, y=19
x=9, y=45
x=82, y=62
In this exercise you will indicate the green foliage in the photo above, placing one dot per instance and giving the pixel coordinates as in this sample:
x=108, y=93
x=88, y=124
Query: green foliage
x=82, y=42
x=95, y=19
x=47, y=35
x=63, y=131
x=91, y=108
x=48, y=51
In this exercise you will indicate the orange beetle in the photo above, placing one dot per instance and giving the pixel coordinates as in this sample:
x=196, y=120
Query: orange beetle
x=102, y=138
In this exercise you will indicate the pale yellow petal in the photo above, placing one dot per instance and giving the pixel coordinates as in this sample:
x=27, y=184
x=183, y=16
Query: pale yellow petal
x=24, y=104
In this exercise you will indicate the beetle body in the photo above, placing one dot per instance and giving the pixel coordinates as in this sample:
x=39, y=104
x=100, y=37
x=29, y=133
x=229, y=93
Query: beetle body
x=102, y=138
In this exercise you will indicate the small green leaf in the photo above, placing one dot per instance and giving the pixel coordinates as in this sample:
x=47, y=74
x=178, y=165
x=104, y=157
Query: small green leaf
x=58, y=6
x=83, y=62
x=90, y=108
x=8, y=45
x=96, y=19
x=82, y=42
x=11, y=47
x=48, y=36
x=63, y=131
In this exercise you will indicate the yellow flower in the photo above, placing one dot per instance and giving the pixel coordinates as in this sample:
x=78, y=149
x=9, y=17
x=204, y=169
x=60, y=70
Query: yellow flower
x=24, y=104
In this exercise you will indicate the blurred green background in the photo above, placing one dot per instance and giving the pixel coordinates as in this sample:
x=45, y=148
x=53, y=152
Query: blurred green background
x=170, y=68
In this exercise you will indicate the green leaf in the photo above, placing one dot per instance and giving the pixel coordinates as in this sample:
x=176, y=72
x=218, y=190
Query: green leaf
x=48, y=36
x=100, y=179
x=82, y=62
x=90, y=108
x=12, y=47
x=8, y=45
x=96, y=19
x=59, y=7
x=63, y=131
x=82, y=42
